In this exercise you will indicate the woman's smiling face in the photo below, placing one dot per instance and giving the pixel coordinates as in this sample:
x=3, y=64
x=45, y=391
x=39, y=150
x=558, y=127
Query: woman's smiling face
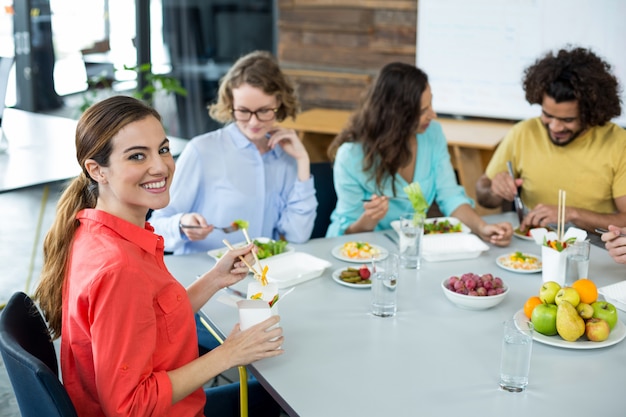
x=139, y=172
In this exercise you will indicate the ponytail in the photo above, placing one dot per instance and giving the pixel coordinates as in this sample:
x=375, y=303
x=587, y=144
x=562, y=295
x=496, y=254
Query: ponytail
x=80, y=194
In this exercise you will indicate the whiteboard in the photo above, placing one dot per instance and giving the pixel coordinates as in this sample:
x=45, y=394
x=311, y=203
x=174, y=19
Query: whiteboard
x=475, y=52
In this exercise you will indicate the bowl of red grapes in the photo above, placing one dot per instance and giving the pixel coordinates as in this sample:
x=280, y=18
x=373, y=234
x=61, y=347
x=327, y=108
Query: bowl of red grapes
x=473, y=291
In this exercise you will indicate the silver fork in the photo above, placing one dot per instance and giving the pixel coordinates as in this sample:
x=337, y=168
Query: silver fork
x=227, y=229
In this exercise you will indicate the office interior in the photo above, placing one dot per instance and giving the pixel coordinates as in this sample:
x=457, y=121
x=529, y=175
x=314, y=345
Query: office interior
x=73, y=41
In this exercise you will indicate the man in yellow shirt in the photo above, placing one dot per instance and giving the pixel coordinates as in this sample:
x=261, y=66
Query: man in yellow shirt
x=571, y=146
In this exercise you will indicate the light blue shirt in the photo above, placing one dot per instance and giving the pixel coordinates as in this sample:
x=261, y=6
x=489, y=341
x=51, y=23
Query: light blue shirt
x=433, y=171
x=222, y=176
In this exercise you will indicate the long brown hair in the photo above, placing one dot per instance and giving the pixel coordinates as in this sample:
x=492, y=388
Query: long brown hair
x=385, y=120
x=94, y=133
x=259, y=69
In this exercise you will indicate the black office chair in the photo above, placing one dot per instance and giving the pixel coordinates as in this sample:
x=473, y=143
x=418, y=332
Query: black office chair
x=326, y=197
x=31, y=362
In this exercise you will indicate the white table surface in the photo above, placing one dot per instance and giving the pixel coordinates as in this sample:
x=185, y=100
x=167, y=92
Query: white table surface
x=42, y=150
x=433, y=358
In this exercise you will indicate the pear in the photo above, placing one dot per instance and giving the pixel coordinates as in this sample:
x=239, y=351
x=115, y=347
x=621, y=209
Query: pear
x=569, y=324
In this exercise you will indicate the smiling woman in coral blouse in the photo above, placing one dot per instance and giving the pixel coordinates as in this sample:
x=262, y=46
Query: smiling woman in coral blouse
x=128, y=337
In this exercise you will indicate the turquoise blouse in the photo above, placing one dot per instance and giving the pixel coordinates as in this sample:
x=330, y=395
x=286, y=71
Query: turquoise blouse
x=433, y=171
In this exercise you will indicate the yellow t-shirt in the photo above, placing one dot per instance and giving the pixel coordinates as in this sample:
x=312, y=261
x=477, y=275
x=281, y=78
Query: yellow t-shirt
x=591, y=169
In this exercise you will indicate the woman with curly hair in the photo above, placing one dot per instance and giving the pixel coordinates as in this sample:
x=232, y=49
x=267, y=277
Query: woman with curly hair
x=571, y=146
x=251, y=169
x=391, y=141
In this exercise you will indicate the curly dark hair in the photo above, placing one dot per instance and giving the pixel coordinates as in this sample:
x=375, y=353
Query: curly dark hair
x=575, y=74
x=385, y=120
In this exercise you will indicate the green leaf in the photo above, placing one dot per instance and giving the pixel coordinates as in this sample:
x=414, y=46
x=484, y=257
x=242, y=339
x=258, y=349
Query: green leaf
x=416, y=197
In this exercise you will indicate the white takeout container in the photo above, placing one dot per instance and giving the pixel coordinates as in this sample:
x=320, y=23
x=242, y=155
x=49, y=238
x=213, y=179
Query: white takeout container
x=452, y=246
x=293, y=268
x=539, y=233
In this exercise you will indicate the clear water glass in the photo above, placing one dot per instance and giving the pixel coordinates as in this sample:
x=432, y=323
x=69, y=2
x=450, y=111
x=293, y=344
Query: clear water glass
x=578, y=260
x=517, y=344
x=385, y=274
x=410, y=245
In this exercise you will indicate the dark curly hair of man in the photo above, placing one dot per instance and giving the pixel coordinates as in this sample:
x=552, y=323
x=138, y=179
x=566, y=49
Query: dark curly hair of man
x=575, y=74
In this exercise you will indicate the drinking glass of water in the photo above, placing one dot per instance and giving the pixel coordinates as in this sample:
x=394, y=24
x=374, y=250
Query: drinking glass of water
x=517, y=346
x=384, y=278
x=578, y=260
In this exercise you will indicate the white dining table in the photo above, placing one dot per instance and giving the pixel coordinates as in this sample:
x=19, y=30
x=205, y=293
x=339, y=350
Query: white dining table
x=432, y=358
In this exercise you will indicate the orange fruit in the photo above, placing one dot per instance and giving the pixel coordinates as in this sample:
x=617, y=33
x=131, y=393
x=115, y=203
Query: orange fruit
x=586, y=289
x=530, y=305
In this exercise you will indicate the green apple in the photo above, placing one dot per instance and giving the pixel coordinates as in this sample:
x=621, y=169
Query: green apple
x=597, y=330
x=568, y=294
x=548, y=291
x=585, y=311
x=606, y=311
x=543, y=318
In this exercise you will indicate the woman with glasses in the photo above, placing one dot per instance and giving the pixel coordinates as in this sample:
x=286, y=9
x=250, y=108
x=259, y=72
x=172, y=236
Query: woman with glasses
x=251, y=169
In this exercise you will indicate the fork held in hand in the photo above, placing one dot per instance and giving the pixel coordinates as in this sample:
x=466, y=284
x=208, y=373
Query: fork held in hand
x=228, y=229
x=519, y=204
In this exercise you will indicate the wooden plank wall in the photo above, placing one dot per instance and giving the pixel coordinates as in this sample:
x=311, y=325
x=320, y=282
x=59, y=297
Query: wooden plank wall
x=333, y=48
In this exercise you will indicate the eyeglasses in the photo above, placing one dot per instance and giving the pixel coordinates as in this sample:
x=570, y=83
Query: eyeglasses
x=263, y=115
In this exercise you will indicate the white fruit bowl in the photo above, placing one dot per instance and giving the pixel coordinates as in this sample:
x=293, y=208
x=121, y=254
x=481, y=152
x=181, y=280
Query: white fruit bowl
x=471, y=302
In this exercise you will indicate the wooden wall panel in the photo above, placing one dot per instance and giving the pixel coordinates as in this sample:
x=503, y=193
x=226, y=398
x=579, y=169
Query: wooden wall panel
x=336, y=38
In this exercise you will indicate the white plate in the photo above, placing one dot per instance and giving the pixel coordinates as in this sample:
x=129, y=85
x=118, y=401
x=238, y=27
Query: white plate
x=293, y=268
x=395, y=224
x=520, y=235
x=500, y=263
x=336, y=252
x=452, y=246
x=336, y=276
x=218, y=253
x=617, y=335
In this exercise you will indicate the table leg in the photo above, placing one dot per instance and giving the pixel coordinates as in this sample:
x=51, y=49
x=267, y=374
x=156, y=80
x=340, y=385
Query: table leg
x=33, y=255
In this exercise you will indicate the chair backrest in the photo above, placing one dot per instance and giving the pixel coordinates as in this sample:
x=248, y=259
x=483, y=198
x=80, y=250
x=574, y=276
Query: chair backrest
x=30, y=359
x=326, y=197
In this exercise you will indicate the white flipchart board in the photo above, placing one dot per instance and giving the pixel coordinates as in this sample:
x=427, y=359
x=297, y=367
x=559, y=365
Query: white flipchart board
x=475, y=52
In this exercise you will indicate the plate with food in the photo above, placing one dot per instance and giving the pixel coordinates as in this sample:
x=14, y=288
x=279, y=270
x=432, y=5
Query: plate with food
x=438, y=225
x=267, y=248
x=526, y=235
x=359, y=252
x=520, y=262
x=442, y=225
x=353, y=277
x=618, y=333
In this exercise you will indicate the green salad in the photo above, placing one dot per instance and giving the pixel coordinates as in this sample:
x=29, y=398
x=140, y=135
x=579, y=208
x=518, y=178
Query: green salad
x=270, y=248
